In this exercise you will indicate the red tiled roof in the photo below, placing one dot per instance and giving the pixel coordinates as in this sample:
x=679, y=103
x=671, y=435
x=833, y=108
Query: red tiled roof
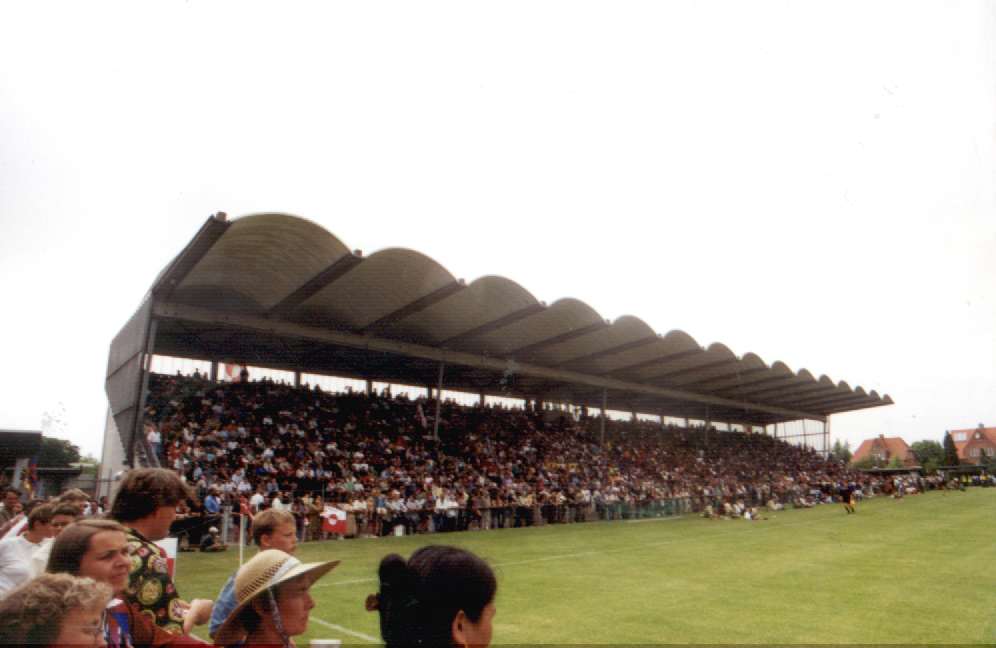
x=981, y=441
x=986, y=433
x=888, y=447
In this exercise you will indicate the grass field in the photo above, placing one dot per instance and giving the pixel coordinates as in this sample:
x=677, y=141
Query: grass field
x=919, y=570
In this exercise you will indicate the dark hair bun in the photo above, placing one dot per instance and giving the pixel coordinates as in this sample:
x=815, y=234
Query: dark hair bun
x=393, y=573
x=419, y=598
x=394, y=599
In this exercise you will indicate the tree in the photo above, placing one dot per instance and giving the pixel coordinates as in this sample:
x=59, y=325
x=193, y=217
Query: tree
x=57, y=453
x=896, y=462
x=867, y=463
x=841, y=451
x=930, y=454
x=950, y=452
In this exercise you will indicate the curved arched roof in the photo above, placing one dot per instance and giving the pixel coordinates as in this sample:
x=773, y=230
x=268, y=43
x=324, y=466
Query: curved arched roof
x=260, y=288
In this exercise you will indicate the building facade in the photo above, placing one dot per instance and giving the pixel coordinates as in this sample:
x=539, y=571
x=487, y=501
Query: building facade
x=883, y=449
x=976, y=445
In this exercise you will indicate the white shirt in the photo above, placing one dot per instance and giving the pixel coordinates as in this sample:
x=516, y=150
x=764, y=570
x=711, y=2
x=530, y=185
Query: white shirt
x=15, y=562
x=39, y=559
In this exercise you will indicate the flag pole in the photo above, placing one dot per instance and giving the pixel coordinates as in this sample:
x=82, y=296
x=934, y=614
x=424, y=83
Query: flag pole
x=242, y=536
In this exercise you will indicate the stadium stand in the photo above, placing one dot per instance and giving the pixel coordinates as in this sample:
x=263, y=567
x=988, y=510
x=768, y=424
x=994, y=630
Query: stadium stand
x=375, y=457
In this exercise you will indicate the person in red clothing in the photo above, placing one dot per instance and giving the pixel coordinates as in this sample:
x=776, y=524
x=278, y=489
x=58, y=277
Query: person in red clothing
x=98, y=549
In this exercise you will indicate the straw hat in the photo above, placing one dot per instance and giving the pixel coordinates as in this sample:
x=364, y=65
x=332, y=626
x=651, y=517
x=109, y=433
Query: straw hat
x=267, y=569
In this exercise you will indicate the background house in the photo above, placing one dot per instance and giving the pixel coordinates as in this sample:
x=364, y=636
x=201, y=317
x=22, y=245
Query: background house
x=975, y=445
x=883, y=450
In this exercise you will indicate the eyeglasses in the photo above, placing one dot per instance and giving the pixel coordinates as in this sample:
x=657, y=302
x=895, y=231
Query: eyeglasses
x=98, y=630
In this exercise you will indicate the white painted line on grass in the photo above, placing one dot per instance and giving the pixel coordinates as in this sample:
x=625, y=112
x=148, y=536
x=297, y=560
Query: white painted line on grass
x=351, y=633
x=351, y=581
x=661, y=519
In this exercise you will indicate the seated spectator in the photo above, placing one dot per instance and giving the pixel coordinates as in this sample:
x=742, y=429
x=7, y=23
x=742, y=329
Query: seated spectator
x=16, y=552
x=273, y=603
x=441, y=596
x=55, y=610
x=212, y=541
x=146, y=505
x=284, y=441
x=271, y=529
x=98, y=549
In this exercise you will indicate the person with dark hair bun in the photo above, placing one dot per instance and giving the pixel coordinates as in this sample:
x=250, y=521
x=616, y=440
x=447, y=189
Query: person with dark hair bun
x=441, y=596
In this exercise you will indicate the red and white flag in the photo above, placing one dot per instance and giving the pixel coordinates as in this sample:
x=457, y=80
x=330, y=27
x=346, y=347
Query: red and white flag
x=334, y=520
x=169, y=547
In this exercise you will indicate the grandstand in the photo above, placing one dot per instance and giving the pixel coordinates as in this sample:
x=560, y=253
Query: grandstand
x=278, y=291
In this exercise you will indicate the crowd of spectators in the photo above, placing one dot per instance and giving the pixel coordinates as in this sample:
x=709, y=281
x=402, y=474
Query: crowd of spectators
x=377, y=457
x=107, y=582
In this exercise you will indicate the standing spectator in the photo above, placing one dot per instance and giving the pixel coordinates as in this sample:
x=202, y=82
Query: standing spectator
x=80, y=500
x=16, y=552
x=257, y=501
x=62, y=516
x=315, y=509
x=273, y=600
x=270, y=530
x=55, y=610
x=442, y=596
x=146, y=504
x=212, y=504
x=9, y=511
x=300, y=513
x=155, y=440
x=98, y=549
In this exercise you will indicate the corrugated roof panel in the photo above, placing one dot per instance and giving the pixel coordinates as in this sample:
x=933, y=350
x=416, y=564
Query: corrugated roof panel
x=561, y=319
x=381, y=284
x=260, y=260
x=484, y=301
x=285, y=267
x=625, y=330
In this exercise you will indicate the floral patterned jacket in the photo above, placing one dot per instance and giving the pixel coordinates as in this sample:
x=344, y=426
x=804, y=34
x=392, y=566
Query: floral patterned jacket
x=150, y=588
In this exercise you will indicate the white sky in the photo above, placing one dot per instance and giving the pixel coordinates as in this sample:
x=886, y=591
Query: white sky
x=810, y=181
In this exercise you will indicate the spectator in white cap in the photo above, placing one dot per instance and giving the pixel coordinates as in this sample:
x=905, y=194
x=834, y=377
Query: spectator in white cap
x=273, y=600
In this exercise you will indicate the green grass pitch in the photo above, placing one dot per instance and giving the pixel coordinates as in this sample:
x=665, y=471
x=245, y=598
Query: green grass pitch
x=914, y=571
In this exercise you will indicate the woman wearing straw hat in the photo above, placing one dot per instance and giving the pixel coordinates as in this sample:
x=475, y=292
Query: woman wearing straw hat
x=273, y=600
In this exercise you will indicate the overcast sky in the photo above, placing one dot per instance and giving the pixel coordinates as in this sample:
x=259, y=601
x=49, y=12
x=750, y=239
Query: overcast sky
x=810, y=181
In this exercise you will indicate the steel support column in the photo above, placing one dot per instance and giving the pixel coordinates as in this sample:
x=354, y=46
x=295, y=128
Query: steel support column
x=439, y=403
x=143, y=394
x=605, y=406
